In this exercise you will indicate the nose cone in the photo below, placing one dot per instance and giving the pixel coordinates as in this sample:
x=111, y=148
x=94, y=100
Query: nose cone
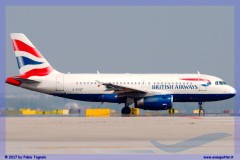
x=232, y=91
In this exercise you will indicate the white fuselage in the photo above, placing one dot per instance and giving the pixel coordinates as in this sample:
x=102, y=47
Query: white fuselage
x=65, y=85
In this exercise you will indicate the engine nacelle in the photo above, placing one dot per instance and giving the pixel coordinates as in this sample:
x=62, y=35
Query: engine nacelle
x=159, y=102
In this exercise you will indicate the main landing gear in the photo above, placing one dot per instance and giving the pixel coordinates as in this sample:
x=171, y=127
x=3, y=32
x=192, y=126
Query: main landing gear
x=201, y=109
x=126, y=110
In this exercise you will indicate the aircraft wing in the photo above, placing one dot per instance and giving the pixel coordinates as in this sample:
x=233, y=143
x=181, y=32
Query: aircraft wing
x=120, y=88
x=125, y=91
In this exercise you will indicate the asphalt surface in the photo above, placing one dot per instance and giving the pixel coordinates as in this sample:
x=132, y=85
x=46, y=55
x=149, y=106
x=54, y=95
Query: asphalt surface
x=120, y=135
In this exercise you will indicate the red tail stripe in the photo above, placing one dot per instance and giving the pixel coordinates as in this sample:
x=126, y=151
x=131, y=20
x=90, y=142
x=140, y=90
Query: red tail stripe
x=37, y=72
x=21, y=46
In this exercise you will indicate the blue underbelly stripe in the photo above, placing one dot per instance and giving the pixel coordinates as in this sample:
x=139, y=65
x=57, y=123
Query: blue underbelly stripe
x=176, y=97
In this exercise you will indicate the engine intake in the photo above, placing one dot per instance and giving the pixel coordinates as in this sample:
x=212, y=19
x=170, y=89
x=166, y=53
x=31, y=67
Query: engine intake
x=159, y=102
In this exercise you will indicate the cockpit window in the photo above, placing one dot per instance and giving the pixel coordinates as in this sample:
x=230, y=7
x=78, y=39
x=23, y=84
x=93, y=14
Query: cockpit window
x=220, y=83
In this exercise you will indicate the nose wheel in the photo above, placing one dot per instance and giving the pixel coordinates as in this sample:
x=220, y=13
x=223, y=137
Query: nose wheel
x=201, y=109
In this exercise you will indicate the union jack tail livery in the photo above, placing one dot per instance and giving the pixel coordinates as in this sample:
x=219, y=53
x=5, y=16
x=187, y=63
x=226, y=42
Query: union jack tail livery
x=30, y=61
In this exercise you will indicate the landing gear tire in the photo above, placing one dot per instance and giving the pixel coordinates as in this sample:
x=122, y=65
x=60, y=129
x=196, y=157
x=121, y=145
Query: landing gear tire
x=201, y=112
x=126, y=110
x=201, y=109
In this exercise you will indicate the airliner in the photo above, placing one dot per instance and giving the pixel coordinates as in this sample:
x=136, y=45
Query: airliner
x=145, y=91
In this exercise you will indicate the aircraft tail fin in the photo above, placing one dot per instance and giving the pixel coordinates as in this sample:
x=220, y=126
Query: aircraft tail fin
x=30, y=61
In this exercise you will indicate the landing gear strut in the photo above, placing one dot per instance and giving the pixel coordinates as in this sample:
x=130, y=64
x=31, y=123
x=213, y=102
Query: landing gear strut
x=201, y=109
x=126, y=110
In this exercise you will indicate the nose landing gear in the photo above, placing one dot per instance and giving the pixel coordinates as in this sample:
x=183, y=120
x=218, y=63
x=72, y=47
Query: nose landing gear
x=201, y=109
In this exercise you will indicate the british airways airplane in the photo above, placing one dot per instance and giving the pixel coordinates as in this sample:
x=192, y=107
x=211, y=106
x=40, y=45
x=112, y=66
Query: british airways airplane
x=145, y=91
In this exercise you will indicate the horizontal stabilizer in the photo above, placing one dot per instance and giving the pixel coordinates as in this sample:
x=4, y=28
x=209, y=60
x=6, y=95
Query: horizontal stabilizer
x=24, y=80
x=18, y=80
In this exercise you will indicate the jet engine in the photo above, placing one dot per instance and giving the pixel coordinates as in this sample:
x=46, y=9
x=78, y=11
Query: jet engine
x=158, y=102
